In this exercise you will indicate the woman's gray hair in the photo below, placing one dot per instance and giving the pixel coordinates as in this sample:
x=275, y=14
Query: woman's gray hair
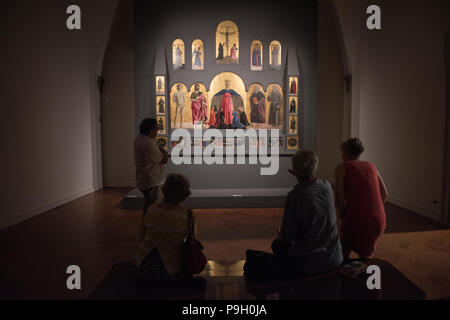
x=305, y=164
x=176, y=188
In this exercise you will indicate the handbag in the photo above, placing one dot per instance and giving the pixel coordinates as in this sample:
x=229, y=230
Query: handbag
x=195, y=260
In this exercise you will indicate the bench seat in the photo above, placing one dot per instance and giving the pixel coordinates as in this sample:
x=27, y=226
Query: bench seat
x=225, y=281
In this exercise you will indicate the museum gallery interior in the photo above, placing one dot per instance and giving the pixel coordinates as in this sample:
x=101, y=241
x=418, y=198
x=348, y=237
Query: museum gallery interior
x=296, y=76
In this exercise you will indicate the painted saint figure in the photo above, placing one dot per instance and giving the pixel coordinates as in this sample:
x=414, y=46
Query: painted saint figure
x=178, y=60
x=233, y=52
x=275, y=57
x=293, y=89
x=180, y=102
x=160, y=85
x=198, y=106
x=292, y=106
x=220, y=55
x=275, y=107
x=243, y=117
x=161, y=106
x=197, y=58
x=293, y=125
x=256, y=56
x=220, y=119
x=258, y=106
x=160, y=125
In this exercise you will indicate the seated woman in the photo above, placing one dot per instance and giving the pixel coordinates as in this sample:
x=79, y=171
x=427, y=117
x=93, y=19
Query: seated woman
x=308, y=241
x=360, y=197
x=160, y=257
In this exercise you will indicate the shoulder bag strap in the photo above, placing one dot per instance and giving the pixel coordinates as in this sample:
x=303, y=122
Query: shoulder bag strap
x=190, y=224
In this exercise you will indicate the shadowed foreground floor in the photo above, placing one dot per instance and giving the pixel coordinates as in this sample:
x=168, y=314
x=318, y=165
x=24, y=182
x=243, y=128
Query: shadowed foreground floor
x=225, y=281
x=95, y=233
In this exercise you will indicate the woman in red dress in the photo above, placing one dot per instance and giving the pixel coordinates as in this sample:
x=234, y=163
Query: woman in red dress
x=360, y=197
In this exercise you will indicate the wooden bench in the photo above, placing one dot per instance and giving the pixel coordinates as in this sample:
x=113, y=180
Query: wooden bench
x=225, y=281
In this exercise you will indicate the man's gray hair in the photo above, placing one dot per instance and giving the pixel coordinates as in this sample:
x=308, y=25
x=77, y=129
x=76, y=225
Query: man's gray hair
x=305, y=163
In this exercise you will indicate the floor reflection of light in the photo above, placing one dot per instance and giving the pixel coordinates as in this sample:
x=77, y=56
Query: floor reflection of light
x=225, y=269
x=236, y=269
x=273, y=296
x=215, y=269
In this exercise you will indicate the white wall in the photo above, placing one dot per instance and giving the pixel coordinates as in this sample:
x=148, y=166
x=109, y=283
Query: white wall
x=399, y=95
x=100, y=16
x=118, y=129
x=47, y=103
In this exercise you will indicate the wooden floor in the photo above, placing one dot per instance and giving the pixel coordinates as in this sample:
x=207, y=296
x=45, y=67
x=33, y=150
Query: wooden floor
x=95, y=233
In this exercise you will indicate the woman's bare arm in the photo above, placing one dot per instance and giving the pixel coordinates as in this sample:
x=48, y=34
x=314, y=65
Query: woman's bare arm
x=339, y=185
x=383, y=190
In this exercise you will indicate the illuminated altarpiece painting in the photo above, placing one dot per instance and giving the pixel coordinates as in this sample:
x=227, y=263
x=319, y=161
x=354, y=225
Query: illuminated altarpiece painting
x=200, y=66
x=227, y=102
x=227, y=105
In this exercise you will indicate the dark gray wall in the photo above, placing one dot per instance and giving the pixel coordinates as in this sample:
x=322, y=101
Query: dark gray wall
x=294, y=25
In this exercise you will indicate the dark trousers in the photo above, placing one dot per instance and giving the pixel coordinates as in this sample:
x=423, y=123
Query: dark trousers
x=281, y=249
x=150, y=197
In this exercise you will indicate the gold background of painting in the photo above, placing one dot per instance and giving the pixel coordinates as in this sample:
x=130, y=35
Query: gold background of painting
x=195, y=45
x=296, y=104
x=163, y=84
x=272, y=44
x=176, y=43
x=296, y=125
x=232, y=39
x=254, y=43
x=157, y=104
